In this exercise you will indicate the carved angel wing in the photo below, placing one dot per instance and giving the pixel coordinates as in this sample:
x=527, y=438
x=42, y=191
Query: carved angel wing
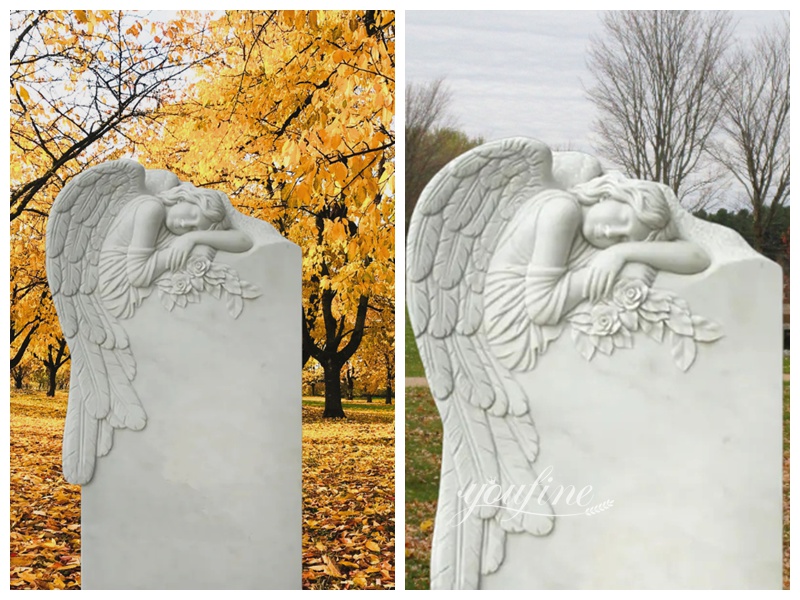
x=489, y=434
x=101, y=396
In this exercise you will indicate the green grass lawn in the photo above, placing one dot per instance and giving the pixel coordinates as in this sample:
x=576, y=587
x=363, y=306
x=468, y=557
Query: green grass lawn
x=413, y=362
x=785, y=478
x=423, y=452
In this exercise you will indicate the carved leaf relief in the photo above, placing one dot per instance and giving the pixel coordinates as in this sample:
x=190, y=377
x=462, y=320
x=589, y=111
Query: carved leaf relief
x=632, y=307
x=201, y=276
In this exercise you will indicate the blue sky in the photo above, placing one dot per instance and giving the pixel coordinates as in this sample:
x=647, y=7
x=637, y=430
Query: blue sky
x=518, y=72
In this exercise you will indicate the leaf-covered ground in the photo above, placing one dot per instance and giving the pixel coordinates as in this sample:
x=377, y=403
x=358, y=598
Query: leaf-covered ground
x=348, y=497
x=45, y=509
x=422, y=464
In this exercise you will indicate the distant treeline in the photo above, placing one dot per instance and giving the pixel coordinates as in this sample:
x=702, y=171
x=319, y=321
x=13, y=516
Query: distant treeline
x=775, y=242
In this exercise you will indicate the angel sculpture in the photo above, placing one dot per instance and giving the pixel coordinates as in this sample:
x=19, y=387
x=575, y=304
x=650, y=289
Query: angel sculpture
x=507, y=246
x=114, y=234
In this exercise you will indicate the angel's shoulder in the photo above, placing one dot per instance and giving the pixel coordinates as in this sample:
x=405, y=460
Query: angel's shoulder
x=558, y=209
x=149, y=207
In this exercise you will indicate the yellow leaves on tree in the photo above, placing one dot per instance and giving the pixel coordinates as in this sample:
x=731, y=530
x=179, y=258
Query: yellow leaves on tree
x=80, y=80
x=294, y=120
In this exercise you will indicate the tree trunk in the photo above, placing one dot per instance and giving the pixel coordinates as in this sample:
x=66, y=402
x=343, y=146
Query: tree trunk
x=20, y=353
x=369, y=398
x=333, y=391
x=18, y=376
x=56, y=357
x=349, y=381
x=51, y=380
x=389, y=377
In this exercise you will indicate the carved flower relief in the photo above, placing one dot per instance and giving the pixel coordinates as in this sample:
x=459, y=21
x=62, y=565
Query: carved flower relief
x=181, y=283
x=201, y=275
x=633, y=307
x=629, y=294
x=197, y=266
x=599, y=328
x=604, y=320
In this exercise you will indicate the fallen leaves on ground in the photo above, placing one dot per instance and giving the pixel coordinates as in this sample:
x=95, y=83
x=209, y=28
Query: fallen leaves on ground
x=45, y=509
x=348, y=498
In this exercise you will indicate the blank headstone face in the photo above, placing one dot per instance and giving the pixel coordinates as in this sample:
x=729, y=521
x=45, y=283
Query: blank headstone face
x=208, y=495
x=603, y=428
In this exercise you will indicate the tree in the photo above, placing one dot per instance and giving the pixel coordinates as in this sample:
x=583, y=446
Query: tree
x=294, y=120
x=755, y=117
x=79, y=78
x=373, y=364
x=80, y=81
x=56, y=357
x=431, y=139
x=658, y=86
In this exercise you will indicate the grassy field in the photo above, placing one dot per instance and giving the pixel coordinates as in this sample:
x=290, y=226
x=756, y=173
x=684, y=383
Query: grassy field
x=786, y=480
x=348, y=497
x=423, y=451
x=413, y=362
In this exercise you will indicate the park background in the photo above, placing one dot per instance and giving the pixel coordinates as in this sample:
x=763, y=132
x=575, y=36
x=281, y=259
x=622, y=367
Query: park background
x=290, y=113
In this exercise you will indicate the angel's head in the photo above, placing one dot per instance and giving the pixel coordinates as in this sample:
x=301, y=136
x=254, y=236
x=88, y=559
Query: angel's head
x=617, y=209
x=190, y=208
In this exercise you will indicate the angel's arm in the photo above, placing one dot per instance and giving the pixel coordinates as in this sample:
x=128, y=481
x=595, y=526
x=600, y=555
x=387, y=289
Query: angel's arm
x=228, y=240
x=679, y=256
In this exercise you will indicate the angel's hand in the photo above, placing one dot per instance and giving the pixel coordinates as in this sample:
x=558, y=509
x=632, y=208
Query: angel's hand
x=203, y=251
x=638, y=271
x=603, y=272
x=178, y=252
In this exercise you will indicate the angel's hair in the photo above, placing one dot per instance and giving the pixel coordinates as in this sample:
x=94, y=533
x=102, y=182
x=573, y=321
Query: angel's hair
x=210, y=202
x=646, y=198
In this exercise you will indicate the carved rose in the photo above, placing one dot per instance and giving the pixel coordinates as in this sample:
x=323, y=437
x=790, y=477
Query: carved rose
x=630, y=294
x=605, y=320
x=181, y=283
x=197, y=266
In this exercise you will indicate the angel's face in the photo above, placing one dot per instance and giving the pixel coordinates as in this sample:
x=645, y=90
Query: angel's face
x=185, y=217
x=611, y=222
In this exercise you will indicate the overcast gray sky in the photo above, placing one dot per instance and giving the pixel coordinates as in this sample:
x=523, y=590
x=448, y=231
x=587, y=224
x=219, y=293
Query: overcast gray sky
x=518, y=72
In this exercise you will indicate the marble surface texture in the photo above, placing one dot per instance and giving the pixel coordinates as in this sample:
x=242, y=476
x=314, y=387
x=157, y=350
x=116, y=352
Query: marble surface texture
x=607, y=368
x=208, y=494
x=692, y=461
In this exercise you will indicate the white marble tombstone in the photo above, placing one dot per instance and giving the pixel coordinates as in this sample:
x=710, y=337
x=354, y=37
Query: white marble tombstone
x=184, y=418
x=608, y=372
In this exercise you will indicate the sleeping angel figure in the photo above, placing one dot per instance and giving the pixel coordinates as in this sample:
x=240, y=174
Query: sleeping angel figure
x=116, y=233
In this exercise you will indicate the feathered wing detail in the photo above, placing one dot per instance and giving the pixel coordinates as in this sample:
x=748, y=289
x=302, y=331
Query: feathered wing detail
x=101, y=397
x=489, y=435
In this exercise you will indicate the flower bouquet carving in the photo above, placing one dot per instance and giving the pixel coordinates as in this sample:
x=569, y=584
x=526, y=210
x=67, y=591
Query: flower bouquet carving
x=634, y=307
x=201, y=275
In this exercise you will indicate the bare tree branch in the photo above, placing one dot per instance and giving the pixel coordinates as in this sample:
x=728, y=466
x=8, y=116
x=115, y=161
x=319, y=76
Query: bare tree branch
x=658, y=87
x=755, y=118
